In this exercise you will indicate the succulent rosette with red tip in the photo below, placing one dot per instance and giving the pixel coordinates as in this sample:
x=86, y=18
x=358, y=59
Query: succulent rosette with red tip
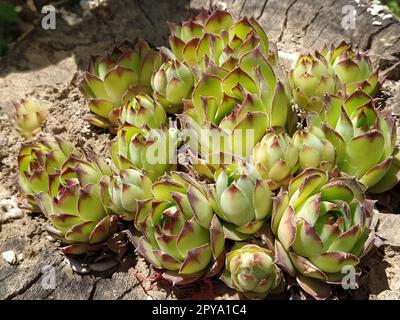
x=113, y=80
x=181, y=233
x=29, y=115
x=242, y=199
x=323, y=227
x=149, y=150
x=37, y=161
x=276, y=158
x=251, y=270
x=355, y=127
x=354, y=69
x=121, y=192
x=311, y=78
x=74, y=207
x=217, y=37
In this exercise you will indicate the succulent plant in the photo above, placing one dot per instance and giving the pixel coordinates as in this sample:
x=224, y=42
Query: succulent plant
x=322, y=227
x=250, y=269
x=315, y=150
x=30, y=114
x=225, y=97
x=242, y=199
x=122, y=190
x=114, y=80
x=141, y=111
x=243, y=139
x=311, y=78
x=237, y=106
x=355, y=128
x=276, y=158
x=181, y=234
x=354, y=69
x=216, y=37
x=171, y=83
x=37, y=162
x=151, y=151
x=73, y=205
x=391, y=178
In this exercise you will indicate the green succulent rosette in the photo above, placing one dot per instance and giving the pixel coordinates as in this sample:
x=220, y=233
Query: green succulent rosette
x=216, y=37
x=151, y=151
x=30, y=114
x=74, y=207
x=354, y=69
x=230, y=111
x=315, y=150
x=355, y=127
x=37, y=162
x=121, y=192
x=142, y=111
x=181, y=233
x=311, y=78
x=113, y=80
x=251, y=270
x=276, y=158
x=242, y=199
x=172, y=83
x=323, y=227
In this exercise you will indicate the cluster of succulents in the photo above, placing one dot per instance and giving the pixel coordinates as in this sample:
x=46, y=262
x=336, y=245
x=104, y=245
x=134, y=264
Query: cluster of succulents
x=290, y=155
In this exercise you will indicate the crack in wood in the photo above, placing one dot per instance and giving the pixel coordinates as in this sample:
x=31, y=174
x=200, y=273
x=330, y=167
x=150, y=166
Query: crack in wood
x=93, y=291
x=4, y=278
x=49, y=293
x=285, y=20
x=319, y=34
x=324, y=27
x=123, y=294
x=374, y=34
x=145, y=13
x=305, y=28
x=262, y=9
x=242, y=7
x=25, y=288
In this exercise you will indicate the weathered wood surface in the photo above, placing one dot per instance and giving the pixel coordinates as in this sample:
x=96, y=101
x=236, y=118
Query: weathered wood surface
x=49, y=64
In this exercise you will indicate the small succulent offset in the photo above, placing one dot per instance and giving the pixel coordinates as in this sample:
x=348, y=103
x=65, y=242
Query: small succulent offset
x=251, y=270
x=276, y=158
x=73, y=205
x=315, y=150
x=354, y=69
x=30, y=114
x=180, y=231
x=171, y=83
x=113, y=80
x=242, y=199
x=322, y=227
x=37, y=163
